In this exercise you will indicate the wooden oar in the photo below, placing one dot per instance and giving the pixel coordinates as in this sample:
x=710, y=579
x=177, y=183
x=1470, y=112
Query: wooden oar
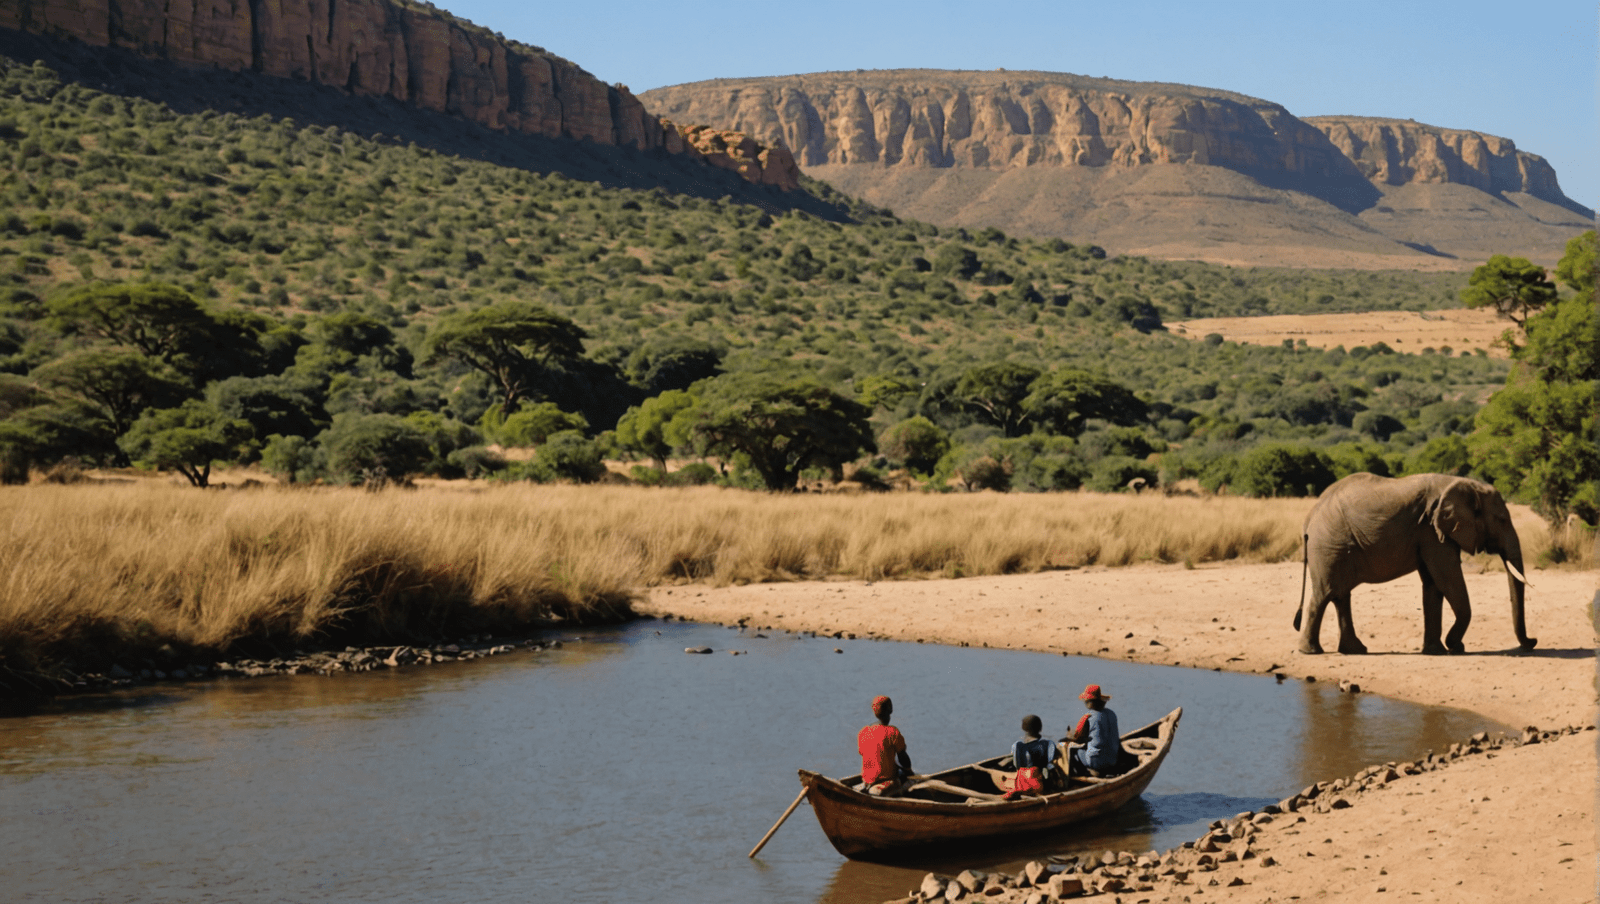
x=774, y=830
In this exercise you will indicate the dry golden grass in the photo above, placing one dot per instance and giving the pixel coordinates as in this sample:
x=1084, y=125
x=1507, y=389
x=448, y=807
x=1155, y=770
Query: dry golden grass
x=88, y=572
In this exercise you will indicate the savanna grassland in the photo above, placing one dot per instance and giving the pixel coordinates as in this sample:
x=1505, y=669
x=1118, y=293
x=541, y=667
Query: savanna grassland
x=92, y=574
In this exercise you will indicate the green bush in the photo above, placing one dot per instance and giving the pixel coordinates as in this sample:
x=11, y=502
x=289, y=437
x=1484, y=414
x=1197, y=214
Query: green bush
x=916, y=444
x=533, y=424
x=373, y=448
x=1441, y=455
x=1113, y=473
x=567, y=456
x=476, y=461
x=1281, y=470
x=693, y=474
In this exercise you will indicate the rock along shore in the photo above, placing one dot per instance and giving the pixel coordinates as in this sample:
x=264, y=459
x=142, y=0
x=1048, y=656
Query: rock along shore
x=299, y=662
x=1232, y=854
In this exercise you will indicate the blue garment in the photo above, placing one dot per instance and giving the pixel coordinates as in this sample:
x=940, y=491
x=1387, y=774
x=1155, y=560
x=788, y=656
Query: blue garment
x=1038, y=752
x=1104, y=743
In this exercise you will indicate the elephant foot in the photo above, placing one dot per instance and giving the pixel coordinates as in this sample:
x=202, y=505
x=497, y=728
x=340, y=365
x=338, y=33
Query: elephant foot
x=1529, y=644
x=1457, y=647
x=1434, y=648
x=1353, y=648
x=1311, y=649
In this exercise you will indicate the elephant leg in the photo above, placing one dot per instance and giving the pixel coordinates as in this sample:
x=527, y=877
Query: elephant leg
x=1432, y=610
x=1442, y=568
x=1310, y=621
x=1349, y=643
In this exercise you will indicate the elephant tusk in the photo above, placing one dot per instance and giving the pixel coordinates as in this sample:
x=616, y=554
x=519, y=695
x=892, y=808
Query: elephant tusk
x=1515, y=573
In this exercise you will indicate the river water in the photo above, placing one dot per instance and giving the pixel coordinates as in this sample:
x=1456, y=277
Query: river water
x=614, y=768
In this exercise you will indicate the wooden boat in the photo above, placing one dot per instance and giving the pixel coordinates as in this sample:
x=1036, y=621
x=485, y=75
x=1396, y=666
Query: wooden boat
x=964, y=803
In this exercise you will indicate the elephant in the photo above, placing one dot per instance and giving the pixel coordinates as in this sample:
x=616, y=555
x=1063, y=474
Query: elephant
x=1367, y=529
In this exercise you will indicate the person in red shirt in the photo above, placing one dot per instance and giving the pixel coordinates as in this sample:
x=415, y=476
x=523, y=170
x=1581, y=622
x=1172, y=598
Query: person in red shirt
x=885, y=765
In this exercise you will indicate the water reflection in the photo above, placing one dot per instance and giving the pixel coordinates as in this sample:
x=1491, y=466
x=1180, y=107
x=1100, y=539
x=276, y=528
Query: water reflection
x=534, y=775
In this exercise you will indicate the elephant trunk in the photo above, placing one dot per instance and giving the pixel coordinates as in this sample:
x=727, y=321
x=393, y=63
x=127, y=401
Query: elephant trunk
x=1518, y=583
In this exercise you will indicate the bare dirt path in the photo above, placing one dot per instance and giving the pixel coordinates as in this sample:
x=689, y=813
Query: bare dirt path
x=1519, y=826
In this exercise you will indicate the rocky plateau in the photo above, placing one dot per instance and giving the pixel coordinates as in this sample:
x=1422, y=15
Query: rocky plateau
x=1167, y=170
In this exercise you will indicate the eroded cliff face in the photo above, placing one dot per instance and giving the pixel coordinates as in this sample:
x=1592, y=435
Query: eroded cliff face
x=1001, y=120
x=1403, y=152
x=375, y=47
x=922, y=118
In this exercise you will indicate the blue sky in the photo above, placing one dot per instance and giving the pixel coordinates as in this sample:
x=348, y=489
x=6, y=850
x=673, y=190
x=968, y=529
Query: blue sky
x=1525, y=70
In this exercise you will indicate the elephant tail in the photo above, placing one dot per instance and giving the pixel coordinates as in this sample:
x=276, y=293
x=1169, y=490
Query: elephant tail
x=1305, y=566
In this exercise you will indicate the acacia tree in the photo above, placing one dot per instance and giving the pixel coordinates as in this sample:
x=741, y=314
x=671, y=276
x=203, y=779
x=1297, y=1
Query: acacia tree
x=1065, y=400
x=159, y=320
x=165, y=324
x=509, y=341
x=116, y=383
x=997, y=393
x=781, y=426
x=1515, y=286
x=187, y=439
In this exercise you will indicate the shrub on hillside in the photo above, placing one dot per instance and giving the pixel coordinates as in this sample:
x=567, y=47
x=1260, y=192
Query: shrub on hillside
x=1280, y=470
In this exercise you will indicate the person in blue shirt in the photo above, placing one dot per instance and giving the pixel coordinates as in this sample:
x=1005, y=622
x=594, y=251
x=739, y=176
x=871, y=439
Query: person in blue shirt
x=1097, y=732
x=1032, y=757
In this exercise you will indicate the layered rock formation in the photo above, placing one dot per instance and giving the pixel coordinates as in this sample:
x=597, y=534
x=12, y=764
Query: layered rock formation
x=414, y=54
x=923, y=118
x=1158, y=169
x=1402, y=152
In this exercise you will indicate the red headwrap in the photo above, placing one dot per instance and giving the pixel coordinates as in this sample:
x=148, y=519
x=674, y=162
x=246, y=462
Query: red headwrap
x=878, y=703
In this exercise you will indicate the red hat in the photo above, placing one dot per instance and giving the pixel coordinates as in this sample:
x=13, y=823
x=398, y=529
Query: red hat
x=1092, y=692
x=878, y=703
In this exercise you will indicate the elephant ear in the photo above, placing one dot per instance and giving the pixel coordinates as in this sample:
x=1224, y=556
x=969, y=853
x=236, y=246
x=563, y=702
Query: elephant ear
x=1458, y=515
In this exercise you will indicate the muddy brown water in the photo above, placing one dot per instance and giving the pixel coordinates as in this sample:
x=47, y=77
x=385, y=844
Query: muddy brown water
x=614, y=768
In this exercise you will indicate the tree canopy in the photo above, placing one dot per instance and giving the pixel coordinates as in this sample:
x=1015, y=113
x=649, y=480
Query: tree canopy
x=1514, y=286
x=1538, y=439
x=508, y=341
x=781, y=426
x=1066, y=399
x=187, y=439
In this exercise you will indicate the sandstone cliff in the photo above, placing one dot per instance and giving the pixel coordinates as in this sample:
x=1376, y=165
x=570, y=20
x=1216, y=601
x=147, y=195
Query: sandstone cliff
x=924, y=118
x=411, y=53
x=1165, y=170
x=1401, y=152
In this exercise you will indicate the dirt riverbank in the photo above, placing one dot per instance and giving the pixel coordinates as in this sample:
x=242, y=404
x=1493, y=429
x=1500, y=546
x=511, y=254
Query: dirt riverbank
x=1519, y=825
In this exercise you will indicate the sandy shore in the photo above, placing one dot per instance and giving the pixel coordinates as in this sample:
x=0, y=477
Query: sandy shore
x=1518, y=826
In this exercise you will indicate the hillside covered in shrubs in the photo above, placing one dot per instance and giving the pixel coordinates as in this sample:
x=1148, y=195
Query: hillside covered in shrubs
x=182, y=289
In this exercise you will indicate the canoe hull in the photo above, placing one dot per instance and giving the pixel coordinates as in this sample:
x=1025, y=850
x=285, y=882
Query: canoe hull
x=860, y=826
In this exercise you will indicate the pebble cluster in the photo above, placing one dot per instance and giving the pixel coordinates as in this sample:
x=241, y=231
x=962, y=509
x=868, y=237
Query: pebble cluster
x=1183, y=870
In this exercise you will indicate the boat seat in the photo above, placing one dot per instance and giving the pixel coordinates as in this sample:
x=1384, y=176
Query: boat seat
x=934, y=784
